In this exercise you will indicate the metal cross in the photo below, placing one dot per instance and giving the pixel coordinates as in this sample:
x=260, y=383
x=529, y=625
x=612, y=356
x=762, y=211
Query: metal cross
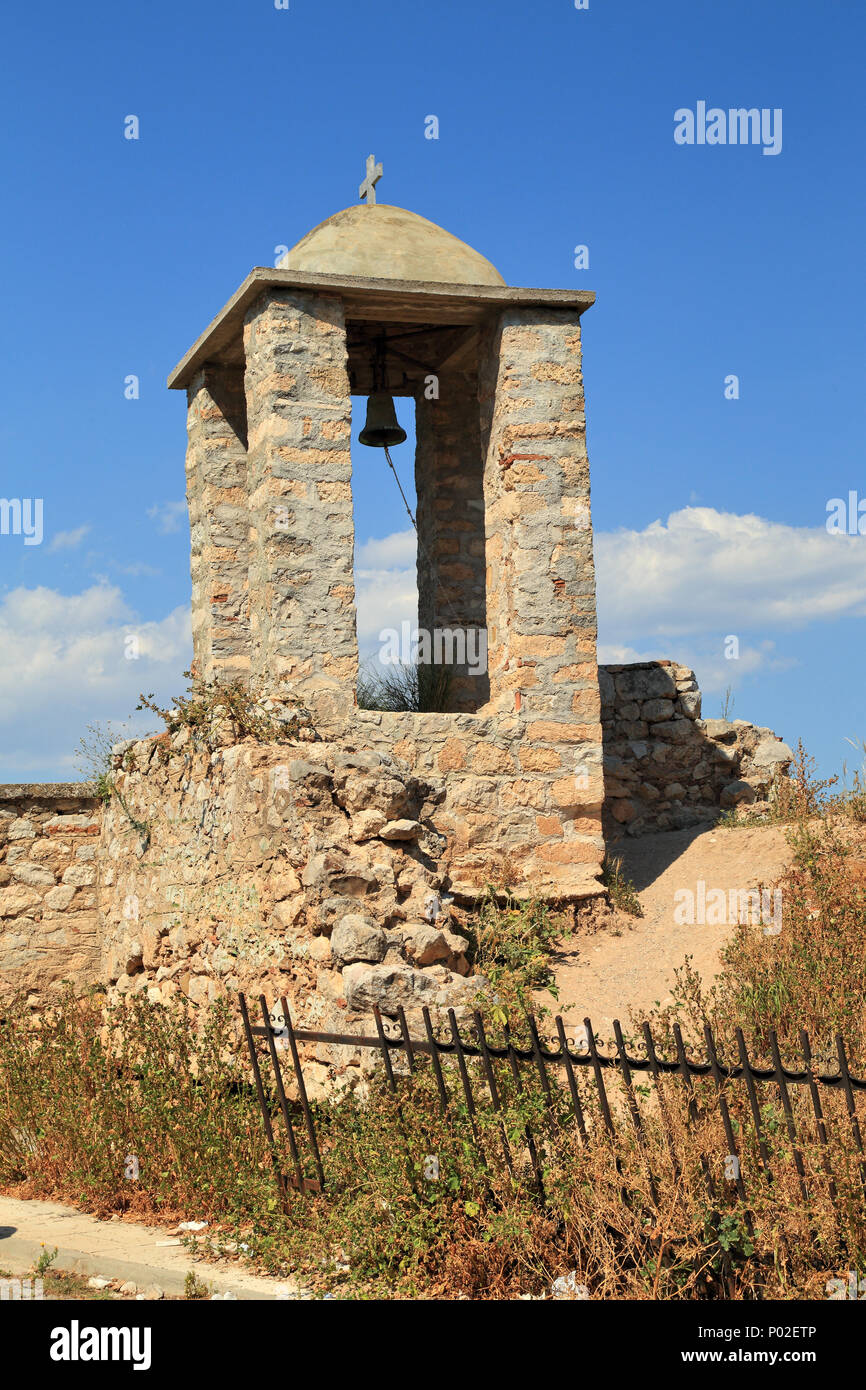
x=368, y=187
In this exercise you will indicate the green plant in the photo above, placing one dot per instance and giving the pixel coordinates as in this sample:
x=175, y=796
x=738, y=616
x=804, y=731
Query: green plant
x=487, y=1220
x=512, y=943
x=854, y=798
x=94, y=755
x=194, y=1287
x=141, y=827
x=621, y=890
x=45, y=1260
x=801, y=794
x=208, y=702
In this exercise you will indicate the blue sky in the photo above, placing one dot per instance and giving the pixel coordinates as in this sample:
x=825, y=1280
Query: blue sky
x=556, y=129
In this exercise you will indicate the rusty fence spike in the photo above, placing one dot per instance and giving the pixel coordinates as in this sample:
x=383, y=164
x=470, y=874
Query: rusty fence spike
x=527, y=1132
x=263, y=1106
x=434, y=1059
x=726, y=1122
x=599, y=1078
x=281, y=1095
x=788, y=1112
x=634, y=1109
x=751, y=1092
x=302, y=1092
x=693, y=1111
x=850, y=1104
x=407, y=1041
x=489, y=1073
x=655, y=1072
x=818, y=1112
x=572, y=1081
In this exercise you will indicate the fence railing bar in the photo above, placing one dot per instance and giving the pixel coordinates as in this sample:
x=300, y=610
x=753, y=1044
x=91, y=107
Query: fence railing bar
x=434, y=1058
x=539, y=1062
x=596, y=1063
x=464, y=1074
x=572, y=1081
x=634, y=1109
x=789, y=1114
x=698, y=1069
x=302, y=1092
x=693, y=1110
x=527, y=1132
x=492, y=1086
x=263, y=1106
x=407, y=1041
x=652, y=1057
x=281, y=1096
x=818, y=1111
x=383, y=1048
x=754, y=1107
x=847, y=1083
x=726, y=1118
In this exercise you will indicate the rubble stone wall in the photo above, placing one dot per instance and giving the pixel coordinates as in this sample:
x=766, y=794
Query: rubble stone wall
x=49, y=922
x=666, y=768
x=295, y=869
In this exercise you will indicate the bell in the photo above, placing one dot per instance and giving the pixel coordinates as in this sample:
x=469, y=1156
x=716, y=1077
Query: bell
x=382, y=427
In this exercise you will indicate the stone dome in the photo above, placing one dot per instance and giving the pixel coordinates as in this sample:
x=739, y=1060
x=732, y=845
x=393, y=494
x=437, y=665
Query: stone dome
x=388, y=243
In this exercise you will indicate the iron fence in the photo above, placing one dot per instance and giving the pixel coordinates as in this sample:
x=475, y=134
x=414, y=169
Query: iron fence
x=734, y=1093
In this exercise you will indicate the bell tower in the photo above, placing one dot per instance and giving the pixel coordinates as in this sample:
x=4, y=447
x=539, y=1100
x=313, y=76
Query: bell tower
x=379, y=302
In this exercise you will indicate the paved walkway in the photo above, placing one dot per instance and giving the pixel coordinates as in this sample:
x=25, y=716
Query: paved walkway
x=116, y=1250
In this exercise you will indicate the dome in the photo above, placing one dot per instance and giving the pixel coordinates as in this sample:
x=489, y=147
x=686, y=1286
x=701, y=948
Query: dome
x=388, y=243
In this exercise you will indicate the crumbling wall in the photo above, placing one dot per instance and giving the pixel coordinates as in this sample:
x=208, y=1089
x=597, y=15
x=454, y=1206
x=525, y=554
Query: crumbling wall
x=49, y=922
x=665, y=768
x=297, y=869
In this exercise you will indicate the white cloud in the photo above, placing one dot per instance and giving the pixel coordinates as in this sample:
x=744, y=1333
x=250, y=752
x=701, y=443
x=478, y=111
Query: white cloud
x=386, y=591
x=66, y=667
x=704, y=571
x=396, y=551
x=169, y=516
x=675, y=589
x=138, y=569
x=678, y=588
x=68, y=540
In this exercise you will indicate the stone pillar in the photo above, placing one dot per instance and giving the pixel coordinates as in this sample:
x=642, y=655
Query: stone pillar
x=216, y=471
x=540, y=574
x=451, y=560
x=301, y=576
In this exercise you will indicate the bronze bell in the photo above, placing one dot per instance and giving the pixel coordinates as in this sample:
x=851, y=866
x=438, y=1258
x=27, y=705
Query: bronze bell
x=382, y=427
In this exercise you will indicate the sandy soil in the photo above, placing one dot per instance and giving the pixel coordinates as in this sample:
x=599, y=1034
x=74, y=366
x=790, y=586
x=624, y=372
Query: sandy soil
x=629, y=963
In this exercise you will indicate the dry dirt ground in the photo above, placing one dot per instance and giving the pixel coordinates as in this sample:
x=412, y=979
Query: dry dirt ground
x=628, y=964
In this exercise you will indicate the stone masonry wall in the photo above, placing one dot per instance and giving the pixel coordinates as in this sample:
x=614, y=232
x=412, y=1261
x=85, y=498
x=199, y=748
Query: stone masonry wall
x=302, y=584
x=299, y=869
x=216, y=472
x=665, y=768
x=49, y=923
x=450, y=517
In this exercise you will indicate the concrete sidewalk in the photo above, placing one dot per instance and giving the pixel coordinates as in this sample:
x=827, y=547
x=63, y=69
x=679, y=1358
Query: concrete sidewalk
x=118, y=1250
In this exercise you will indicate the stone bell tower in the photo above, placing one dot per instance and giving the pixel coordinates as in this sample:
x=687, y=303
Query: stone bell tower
x=504, y=532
